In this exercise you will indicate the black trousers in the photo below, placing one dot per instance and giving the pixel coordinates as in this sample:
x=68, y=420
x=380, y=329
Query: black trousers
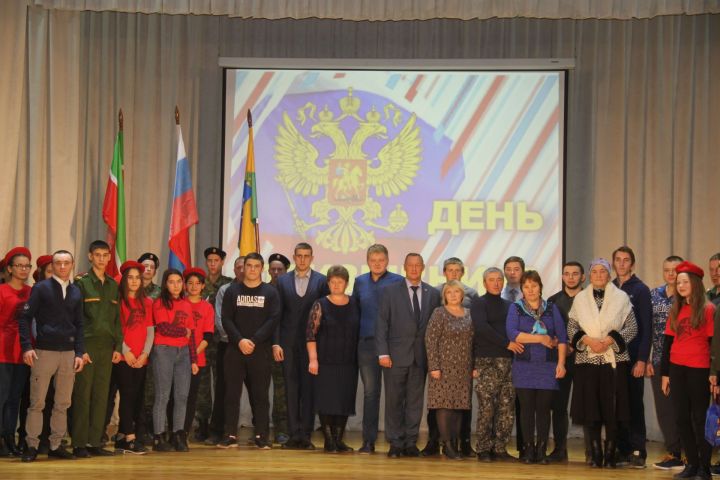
x=131, y=383
x=217, y=419
x=299, y=393
x=561, y=399
x=691, y=398
x=434, y=431
x=632, y=435
x=535, y=406
x=256, y=370
x=192, y=398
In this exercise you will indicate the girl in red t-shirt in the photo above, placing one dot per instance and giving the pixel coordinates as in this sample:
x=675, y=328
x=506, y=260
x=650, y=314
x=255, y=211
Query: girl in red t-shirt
x=204, y=321
x=686, y=366
x=13, y=372
x=138, y=335
x=174, y=361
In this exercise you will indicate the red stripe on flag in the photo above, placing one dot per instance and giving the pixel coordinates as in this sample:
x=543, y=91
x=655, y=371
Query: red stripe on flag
x=180, y=245
x=110, y=205
x=185, y=213
x=480, y=111
x=410, y=95
x=252, y=100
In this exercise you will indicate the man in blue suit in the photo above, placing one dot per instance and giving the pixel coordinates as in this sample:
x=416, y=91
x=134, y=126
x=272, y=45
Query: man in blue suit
x=298, y=291
x=405, y=309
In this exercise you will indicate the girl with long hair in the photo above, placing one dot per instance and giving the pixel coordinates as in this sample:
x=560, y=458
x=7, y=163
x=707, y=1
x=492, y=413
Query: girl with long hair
x=174, y=360
x=686, y=366
x=138, y=335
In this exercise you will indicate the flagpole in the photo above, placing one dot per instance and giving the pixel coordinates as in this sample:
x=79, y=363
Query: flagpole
x=177, y=116
x=120, y=119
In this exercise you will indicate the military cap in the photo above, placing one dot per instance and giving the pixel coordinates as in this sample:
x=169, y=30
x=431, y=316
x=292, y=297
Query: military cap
x=279, y=257
x=215, y=251
x=150, y=256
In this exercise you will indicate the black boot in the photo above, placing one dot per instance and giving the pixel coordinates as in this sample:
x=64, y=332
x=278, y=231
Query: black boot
x=203, y=431
x=432, y=448
x=450, y=451
x=559, y=453
x=341, y=446
x=12, y=448
x=330, y=446
x=610, y=457
x=466, y=448
x=541, y=453
x=180, y=441
x=160, y=444
x=528, y=453
x=596, y=453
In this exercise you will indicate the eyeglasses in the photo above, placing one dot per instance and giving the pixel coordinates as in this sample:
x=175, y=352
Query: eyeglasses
x=21, y=266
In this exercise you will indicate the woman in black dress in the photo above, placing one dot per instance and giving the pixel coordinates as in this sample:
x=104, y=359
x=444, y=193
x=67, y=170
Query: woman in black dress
x=332, y=338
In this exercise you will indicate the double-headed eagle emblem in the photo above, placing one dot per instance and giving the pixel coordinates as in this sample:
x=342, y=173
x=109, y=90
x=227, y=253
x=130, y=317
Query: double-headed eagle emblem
x=348, y=174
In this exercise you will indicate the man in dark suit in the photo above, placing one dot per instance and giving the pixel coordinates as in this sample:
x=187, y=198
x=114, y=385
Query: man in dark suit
x=298, y=291
x=405, y=308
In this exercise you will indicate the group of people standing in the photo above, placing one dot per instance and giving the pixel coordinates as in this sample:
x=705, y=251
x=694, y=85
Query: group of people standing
x=302, y=332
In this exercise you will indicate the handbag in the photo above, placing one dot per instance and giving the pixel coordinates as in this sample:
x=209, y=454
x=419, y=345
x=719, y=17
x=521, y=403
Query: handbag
x=712, y=424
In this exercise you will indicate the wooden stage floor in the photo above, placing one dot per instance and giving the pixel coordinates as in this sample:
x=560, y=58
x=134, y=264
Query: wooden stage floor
x=250, y=463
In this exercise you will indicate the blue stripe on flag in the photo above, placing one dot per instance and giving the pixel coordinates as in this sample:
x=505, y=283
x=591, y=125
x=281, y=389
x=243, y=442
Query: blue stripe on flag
x=183, y=182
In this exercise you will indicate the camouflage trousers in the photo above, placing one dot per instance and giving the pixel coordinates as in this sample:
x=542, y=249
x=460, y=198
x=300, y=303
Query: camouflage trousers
x=203, y=410
x=496, y=403
x=279, y=410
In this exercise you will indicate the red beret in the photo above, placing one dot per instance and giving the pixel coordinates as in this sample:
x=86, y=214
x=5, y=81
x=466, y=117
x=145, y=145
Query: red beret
x=689, y=267
x=194, y=271
x=17, y=251
x=131, y=264
x=44, y=260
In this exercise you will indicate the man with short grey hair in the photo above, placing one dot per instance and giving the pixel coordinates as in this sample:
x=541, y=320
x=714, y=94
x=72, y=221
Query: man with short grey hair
x=492, y=353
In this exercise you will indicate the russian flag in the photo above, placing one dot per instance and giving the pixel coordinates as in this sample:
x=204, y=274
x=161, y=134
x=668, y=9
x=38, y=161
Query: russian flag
x=184, y=210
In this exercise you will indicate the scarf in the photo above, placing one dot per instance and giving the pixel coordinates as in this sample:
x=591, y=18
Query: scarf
x=539, y=327
x=599, y=323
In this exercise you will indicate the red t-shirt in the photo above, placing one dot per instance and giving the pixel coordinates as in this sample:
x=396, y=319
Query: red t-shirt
x=204, y=318
x=180, y=316
x=135, y=321
x=11, y=301
x=691, y=347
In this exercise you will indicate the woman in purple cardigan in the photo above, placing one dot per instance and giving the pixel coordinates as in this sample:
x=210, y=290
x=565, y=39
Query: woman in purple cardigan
x=539, y=326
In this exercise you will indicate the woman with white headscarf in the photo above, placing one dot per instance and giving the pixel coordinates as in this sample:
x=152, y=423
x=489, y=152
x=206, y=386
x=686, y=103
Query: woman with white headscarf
x=601, y=325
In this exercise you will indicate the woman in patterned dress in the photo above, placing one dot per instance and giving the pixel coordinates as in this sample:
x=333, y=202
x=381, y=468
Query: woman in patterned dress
x=448, y=341
x=602, y=324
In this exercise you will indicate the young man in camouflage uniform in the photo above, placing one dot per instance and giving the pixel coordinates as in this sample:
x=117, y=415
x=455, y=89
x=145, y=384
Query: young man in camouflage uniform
x=278, y=265
x=103, y=345
x=214, y=261
x=493, y=354
x=151, y=262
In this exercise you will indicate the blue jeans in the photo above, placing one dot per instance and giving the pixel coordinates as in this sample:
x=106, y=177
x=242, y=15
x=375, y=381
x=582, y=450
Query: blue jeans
x=13, y=378
x=171, y=371
x=370, y=374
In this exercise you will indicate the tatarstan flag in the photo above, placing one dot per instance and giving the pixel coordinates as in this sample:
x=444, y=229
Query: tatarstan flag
x=114, y=206
x=249, y=229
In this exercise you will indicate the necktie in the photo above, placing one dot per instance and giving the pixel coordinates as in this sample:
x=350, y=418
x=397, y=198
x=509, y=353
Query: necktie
x=513, y=295
x=416, y=304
